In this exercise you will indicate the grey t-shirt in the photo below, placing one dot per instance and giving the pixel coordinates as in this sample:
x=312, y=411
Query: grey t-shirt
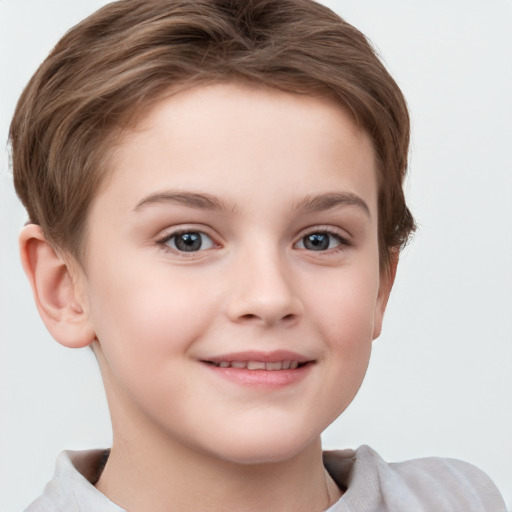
x=370, y=485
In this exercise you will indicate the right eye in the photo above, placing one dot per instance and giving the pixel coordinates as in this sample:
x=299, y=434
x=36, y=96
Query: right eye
x=188, y=241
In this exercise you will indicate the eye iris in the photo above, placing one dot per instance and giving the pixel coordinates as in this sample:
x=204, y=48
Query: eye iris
x=188, y=242
x=316, y=241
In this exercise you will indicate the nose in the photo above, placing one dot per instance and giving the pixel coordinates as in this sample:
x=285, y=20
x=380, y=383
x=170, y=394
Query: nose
x=263, y=291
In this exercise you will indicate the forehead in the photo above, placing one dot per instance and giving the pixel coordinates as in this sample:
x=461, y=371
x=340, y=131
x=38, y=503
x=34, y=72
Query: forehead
x=225, y=138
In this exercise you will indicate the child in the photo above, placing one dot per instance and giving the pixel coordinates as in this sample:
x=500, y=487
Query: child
x=216, y=208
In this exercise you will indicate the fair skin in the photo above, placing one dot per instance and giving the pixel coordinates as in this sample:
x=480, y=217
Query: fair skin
x=231, y=289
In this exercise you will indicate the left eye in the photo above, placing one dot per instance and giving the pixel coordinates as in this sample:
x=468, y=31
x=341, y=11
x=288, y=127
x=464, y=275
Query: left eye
x=189, y=241
x=319, y=241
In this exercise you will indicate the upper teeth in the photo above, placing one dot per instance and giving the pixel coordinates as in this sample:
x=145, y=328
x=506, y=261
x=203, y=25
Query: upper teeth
x=259, y=365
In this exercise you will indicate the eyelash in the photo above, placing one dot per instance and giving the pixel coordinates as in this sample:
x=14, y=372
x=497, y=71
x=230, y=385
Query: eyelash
x=164, y=242
x=342, y=242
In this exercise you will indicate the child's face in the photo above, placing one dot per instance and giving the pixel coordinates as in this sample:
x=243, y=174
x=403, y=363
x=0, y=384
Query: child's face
x=239, y=227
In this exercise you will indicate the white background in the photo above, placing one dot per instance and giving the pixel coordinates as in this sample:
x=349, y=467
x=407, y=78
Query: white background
x=440, y=381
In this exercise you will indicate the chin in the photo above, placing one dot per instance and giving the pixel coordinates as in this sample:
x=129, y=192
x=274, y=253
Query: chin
x=264, y=448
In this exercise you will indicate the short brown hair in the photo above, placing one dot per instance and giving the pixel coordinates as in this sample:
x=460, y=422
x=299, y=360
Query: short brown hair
x=130, y=52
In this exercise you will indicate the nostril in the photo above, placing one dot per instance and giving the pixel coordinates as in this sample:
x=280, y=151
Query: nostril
x=248, y=316
x=251, y=317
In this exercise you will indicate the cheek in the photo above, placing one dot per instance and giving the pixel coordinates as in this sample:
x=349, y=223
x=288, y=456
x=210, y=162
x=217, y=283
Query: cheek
x=344, y=309
x=144, y=315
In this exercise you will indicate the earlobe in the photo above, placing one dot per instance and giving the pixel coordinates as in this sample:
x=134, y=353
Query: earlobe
x=55, y=287
x=386, y=284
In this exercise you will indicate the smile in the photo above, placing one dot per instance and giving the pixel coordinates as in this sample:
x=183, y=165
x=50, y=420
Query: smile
x=260, y=365
x=261, y=370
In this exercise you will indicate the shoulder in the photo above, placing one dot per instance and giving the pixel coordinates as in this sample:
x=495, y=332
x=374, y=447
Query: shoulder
x=449, y=483
x=423, y=485
x=72, y=487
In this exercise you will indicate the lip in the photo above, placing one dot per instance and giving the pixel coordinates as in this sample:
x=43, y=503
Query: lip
x=261, y=378
x=255, y=355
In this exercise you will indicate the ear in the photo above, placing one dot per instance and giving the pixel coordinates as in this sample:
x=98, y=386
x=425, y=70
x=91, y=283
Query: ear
x=56, y=287
x=387, y=279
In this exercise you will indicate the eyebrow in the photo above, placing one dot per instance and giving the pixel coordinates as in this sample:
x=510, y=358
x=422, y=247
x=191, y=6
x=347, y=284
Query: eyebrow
x=330, y=200
x=309, y=203
x=190, y=199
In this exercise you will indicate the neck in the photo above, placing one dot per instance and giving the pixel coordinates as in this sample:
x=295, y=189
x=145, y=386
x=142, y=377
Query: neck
x=149, y=476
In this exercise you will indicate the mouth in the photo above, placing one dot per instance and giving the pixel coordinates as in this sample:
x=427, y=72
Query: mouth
x=265, y=370
x=256, y=360
x=272, y=366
